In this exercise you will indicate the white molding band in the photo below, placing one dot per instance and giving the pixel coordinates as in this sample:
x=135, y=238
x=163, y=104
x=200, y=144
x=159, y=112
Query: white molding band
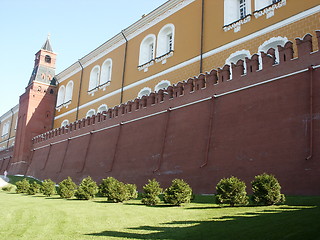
x=208, y=54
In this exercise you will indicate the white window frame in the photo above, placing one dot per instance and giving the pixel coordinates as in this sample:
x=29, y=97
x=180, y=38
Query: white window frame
x=260, y=4
x=144, y=92
x=102, y=108
x=271, y=43
x=163, y=41
x=94, y=78
x=65, y=123
x=106, y=72
x=61, y=96
x=164, y=84
x=236, y=56
x=91, y=113
x=69, y=92
x=145, y=54
x=232, y=10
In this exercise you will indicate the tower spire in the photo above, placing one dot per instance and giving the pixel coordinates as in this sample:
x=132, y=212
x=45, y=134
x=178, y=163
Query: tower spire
x=47, y=45
x=44, y=64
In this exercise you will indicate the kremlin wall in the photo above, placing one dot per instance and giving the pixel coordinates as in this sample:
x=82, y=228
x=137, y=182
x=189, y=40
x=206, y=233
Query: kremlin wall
x=201, y=129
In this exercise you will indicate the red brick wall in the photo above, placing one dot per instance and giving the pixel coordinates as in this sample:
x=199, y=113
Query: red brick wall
x=255, y=123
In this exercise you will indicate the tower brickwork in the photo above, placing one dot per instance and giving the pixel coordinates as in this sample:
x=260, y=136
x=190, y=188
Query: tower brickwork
x=36, y=106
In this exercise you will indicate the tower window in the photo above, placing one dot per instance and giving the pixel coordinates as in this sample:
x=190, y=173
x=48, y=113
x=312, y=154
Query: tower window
x=47, y=59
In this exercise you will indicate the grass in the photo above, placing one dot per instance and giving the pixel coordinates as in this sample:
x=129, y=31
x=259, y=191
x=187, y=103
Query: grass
x=26, y=217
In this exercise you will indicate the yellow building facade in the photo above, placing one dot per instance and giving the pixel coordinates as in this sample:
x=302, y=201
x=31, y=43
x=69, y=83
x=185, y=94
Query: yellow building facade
x=178, y=40
x=8, y=127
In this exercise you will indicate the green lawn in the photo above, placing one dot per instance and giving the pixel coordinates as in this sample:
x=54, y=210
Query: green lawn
x=36, y=217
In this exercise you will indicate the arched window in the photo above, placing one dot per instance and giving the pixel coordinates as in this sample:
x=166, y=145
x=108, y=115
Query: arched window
x=102, y=108
x=236, y=56
x=94, y=77
x=235, y=10
x=47, y=59
x=69, y=90
x=65, y=123
x=61, y=95
x=272, y=43
x=90, y=113
x=144, y=92
x=162, y=85
x=147, y=49
x=106, y=71
x=165, y=40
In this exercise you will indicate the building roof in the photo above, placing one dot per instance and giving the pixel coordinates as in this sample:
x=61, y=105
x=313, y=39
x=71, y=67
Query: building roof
x=47, y=45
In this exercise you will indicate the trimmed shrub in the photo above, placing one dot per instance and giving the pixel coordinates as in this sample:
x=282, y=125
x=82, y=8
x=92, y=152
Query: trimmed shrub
x=178, y=193
x=151, y=193
x=67, y=188
x=48, y=187
x=231, y=191
x=34, y=188
x=87, y=189
x=8, y=188
x=266, y=190
x=22, y=186
x=117, y=191
x=132, y=189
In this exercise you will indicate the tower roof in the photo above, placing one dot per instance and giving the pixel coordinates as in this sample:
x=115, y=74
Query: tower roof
x=47, y=45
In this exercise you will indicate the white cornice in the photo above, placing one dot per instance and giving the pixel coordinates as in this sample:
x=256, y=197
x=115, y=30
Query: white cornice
x=153, y=18
x=8, y=114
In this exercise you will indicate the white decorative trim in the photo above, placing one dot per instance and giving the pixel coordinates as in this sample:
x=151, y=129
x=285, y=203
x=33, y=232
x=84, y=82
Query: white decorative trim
x=91, y=110
x=8, y=114
x=237, y=53
x=236, y=26
x=157, y=87
x=269, y=11
x=163, y=58
x=145, y=66
x=102, y=106
x=208, y=54
x=145, y=89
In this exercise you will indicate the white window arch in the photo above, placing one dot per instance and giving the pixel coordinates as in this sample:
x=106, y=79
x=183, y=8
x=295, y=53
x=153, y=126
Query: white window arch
x=102, y=108
x=271, y=43
x=106, y=71
x=147, y=49
x=259, y=4
x=94, y=77
x=236, y=56
x=69, y=90
x=61, y=95
x=162, y=85
x=235, y=10
x=165, y=40
x=144, y=92
x=65, y=123
x=90, y=113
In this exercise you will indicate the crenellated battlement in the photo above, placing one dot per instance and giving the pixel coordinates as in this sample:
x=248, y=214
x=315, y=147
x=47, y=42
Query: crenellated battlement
x=261, y=68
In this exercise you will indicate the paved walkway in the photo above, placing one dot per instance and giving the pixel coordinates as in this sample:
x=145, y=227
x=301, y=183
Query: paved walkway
x=3, y=181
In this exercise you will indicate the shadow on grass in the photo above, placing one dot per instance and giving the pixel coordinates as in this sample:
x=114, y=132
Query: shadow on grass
x=282, y=223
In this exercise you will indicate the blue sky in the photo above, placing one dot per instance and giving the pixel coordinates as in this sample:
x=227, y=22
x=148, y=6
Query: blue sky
x=76, y=26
